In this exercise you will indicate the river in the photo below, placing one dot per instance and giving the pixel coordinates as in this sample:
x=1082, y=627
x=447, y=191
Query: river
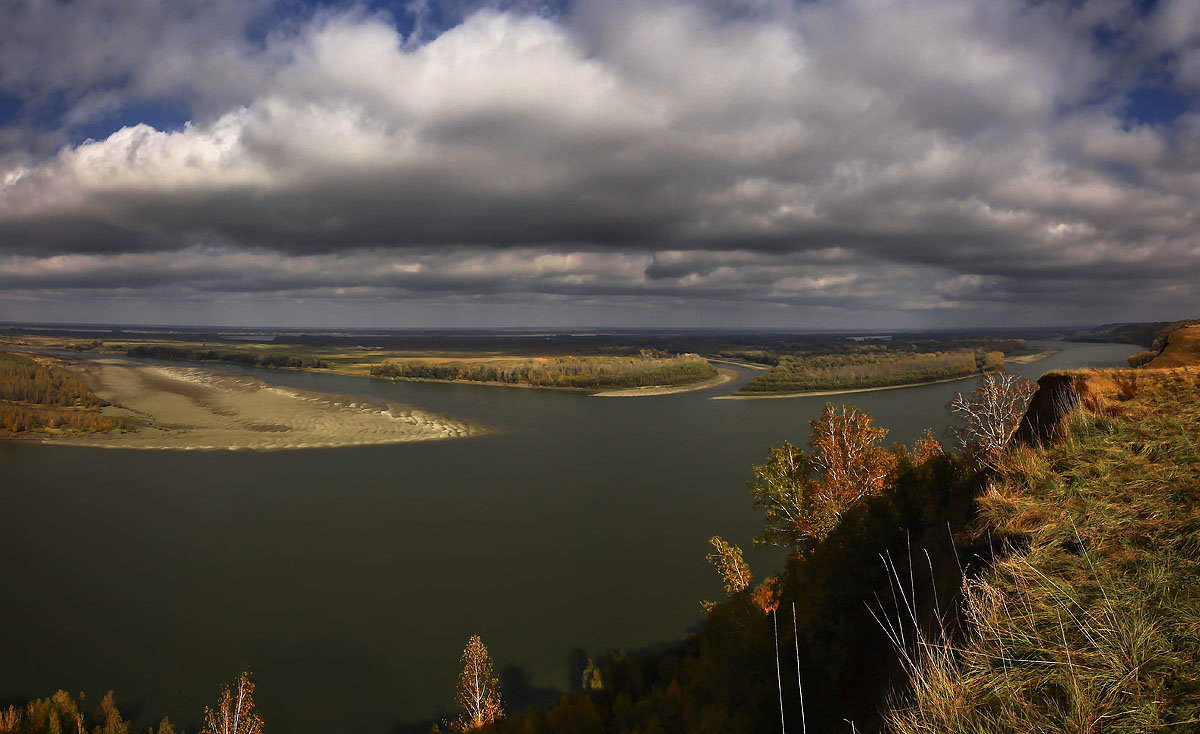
x=348, y=580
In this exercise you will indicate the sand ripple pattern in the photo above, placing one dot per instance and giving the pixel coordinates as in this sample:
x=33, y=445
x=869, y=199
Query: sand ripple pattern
x=197, y=409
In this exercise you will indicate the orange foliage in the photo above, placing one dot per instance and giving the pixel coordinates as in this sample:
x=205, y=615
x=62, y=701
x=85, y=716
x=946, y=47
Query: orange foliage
x=36, y=395
x=847, y=458
x=478, y=689
x=10, y=720
x=24, y=419
x=765, y=596
x=926, y=448
x=234, y=713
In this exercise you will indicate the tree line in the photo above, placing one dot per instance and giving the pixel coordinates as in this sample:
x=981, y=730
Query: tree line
x=870, y=369
x=234, y=713
x=28, y=381
x=247, y=357
x=574, y=372
x=37, y=395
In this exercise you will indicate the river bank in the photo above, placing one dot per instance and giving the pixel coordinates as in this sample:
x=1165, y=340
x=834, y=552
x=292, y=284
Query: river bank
x=840, y=392
x=191, y=408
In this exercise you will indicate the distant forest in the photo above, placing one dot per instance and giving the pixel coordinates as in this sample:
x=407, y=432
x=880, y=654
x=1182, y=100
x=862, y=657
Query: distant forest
x=573, y=372
x=875, y=368
x=246, y=357
x=35, y=396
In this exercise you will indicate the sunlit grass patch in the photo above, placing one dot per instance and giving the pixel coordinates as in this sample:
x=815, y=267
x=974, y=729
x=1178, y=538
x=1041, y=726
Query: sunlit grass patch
x=1090, y=619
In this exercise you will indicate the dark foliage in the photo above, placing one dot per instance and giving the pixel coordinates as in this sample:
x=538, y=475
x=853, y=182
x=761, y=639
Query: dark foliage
x=246, y=357
x=722, y=680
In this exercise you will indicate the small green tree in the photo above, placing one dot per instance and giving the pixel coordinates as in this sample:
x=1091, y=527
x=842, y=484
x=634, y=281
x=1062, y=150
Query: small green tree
x=592, y=679
x=727, y=558
x=804, y=497
x=783, y=491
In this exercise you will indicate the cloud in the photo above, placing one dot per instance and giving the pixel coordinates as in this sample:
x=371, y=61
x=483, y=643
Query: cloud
x=830, y=155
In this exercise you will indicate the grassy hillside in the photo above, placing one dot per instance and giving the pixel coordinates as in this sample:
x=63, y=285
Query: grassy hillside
x=1150, y=334
x=1182, y=348
x=1090, y=619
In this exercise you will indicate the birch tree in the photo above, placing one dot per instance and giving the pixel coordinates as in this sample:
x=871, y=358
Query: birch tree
x=234, y=713
x=727, y=558
x=991, y=415
x=783, y=491
x=478, y=689
x=847, y=458
x=805, y=497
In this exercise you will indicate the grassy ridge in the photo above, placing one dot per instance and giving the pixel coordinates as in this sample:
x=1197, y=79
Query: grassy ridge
x=572, y=372
x=36, y=395
x=1180, y=348
x=869, y=369
x=1091, y=620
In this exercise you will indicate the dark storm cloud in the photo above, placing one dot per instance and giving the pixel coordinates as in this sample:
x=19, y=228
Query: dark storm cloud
x=870, y=157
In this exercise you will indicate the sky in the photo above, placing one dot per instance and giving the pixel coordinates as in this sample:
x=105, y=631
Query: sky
x=703, y=163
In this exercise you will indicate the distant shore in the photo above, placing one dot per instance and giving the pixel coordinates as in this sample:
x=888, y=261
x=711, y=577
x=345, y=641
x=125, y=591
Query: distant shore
x=190, y=408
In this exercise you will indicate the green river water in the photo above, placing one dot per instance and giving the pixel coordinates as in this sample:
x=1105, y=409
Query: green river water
x=349, y=579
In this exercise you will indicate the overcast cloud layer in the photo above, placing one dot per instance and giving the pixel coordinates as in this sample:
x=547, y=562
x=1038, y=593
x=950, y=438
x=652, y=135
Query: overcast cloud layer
x=860, y=163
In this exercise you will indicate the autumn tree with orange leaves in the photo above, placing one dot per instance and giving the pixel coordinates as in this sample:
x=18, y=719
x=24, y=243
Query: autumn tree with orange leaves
x=478, y=689
x=926, y=448
x=805, y=497
x=234, y=713
x=847, y=457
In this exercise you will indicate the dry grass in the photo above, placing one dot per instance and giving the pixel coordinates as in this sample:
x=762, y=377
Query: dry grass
x=1183, y=349
x=1089, y=621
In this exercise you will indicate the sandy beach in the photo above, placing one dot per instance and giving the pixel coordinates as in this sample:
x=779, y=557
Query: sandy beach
x=191, y=408
x=723, y=376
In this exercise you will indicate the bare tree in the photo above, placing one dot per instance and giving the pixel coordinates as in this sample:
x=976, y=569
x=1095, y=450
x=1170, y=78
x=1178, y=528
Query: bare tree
x=234, y=713
x=991, y=415
x=478, y=690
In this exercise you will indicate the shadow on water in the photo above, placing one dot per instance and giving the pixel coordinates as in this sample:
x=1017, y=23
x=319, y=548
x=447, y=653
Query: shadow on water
x=520, y=692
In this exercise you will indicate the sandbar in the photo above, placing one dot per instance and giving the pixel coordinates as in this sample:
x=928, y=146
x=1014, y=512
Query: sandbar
x=190, y=408
x=766, y=396
x=1031, y=358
